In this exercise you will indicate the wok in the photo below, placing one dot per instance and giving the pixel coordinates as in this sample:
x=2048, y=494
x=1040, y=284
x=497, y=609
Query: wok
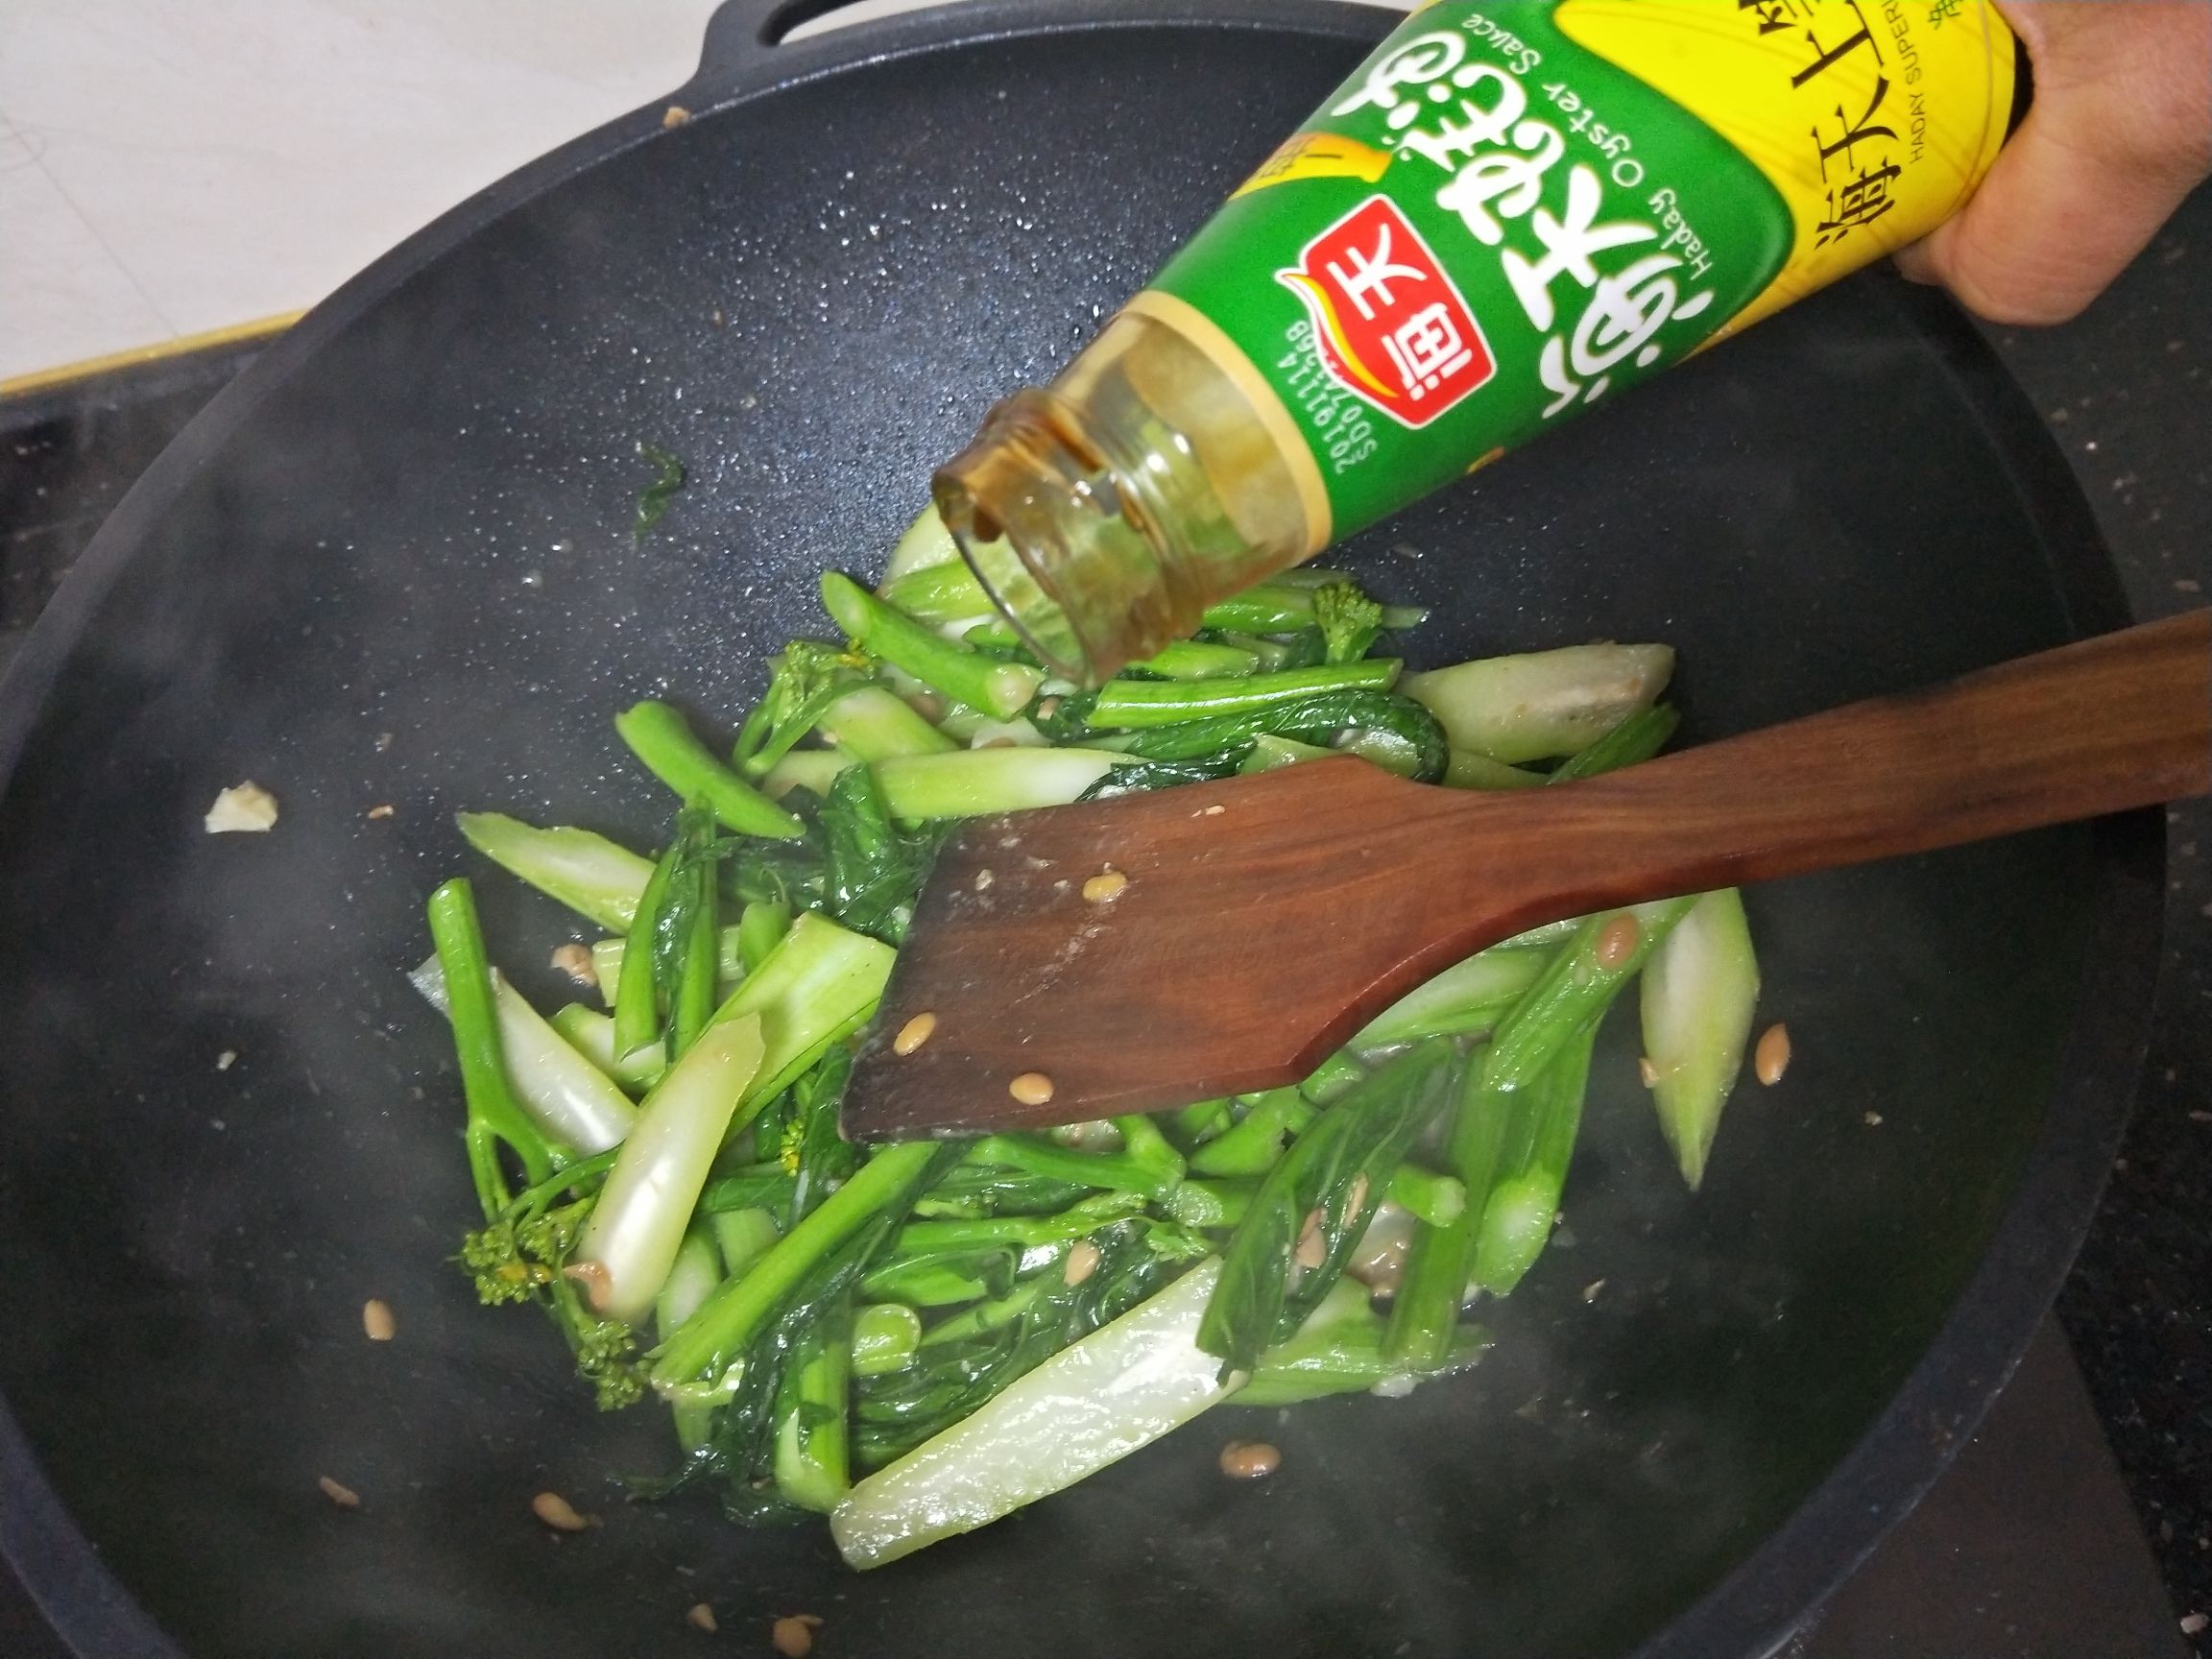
x=393, y=563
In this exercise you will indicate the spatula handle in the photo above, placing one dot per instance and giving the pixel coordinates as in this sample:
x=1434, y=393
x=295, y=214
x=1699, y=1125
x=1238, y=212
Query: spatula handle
x=2118, y=721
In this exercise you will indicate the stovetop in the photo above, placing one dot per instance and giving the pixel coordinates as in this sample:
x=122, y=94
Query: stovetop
x=2028, y=1548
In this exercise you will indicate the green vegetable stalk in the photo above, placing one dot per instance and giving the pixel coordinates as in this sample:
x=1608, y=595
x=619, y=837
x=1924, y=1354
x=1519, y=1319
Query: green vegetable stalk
x=813, y=1436
x=1545, y=703
x=805, y=678
x=817, y=986
x=1576, y=988
x=1126, y=1172
x=1256, y=1143
x=760, y=928
x=588, y=873
x=691, y=1279
x=743, y=1236
x=659, y=737
x=939, y=594
x=1440, y=1260
x=721, y=1329
x=924, y=545
x=1341, y=1349
x=1199, y=660
x=1311, y=599
x=1700, y=990
x=496, y=1118
x=636, y=991
x=1470, y=771
x=874, y=724
x=1635, y=740
x=974, y=783
x=1000, y=690
x=593, y=1036
x=886, y=1338
x=1470, y=996
x=571, y=1102
x=1131, y=705
x=639, y=1223
x=1539, y=1142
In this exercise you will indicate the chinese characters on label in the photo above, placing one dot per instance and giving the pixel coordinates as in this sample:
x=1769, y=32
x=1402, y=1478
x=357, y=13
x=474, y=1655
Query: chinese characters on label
x=1857, y=169
x=1565, y=258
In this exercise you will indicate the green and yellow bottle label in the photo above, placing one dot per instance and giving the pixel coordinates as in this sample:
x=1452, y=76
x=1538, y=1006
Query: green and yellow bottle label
x=1512, y=211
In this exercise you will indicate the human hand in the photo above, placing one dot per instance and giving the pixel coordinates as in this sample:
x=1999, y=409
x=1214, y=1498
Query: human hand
x=2119, y=132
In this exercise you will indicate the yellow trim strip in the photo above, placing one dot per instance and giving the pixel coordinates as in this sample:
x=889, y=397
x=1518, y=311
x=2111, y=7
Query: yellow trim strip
x=1209, y=337
x=238, y=333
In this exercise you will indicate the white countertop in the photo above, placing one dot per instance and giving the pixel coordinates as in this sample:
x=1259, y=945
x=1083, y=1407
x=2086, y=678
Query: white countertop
x=171, y=167
x=175, y=168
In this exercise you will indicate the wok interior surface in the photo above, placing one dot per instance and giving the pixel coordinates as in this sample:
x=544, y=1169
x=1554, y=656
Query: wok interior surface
x=404, y=574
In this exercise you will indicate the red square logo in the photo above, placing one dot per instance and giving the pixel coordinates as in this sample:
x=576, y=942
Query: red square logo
x=1390, y=326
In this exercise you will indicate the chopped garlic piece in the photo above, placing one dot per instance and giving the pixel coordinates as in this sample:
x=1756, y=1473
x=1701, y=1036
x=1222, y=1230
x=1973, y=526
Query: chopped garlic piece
x=242, y=807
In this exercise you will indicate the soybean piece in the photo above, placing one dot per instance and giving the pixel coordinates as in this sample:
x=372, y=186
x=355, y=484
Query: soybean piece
x=1104, y=887
x=1772, y=1058
x=794, y=1637
x=1249, y=1459
x=576, y=960
x=557, y=1513
x=1082, y=1261
x=1616, y=942
x=914, y=1033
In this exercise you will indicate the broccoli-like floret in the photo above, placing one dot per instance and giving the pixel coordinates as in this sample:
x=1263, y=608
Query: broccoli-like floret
x=521, y=1256
x=606, y=1350
x=512, y=1257
x=808, y=669
x=1349, y=620
x=494, y=1259
x=804, y=680
x=550, y=1236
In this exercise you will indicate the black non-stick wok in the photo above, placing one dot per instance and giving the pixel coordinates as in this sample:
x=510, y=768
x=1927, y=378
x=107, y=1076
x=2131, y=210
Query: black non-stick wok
x=393, y=565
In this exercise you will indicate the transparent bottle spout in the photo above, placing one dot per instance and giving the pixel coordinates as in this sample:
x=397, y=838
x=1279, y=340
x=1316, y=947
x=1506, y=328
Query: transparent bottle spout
x=1055, y=541
x=1105, y=513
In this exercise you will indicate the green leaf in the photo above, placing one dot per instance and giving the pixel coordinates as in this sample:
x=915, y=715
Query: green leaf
x=873, y=870
x=652, y=500
x=1335, y=1172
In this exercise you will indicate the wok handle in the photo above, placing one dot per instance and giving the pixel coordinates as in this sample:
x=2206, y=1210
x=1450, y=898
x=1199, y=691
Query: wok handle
x=742, y=39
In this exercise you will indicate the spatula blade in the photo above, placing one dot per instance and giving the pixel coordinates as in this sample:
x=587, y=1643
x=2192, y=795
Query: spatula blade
x=1198, y=972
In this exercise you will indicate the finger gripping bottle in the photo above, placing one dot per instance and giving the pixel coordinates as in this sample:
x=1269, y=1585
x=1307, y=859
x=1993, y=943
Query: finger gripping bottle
x=1509, y=213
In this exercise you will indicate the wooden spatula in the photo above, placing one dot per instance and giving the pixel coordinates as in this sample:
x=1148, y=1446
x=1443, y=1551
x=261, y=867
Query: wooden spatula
x=1258, y=921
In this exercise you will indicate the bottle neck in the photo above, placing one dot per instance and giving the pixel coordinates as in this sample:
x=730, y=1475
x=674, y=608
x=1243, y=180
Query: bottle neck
x=1061, y=539
x=1106, y=512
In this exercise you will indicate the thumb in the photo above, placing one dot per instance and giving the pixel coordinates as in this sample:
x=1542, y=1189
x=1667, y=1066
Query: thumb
x=2120, y=131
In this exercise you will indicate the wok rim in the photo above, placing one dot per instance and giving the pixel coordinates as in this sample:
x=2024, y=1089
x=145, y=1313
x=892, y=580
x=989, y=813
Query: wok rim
x=1768, y=1597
